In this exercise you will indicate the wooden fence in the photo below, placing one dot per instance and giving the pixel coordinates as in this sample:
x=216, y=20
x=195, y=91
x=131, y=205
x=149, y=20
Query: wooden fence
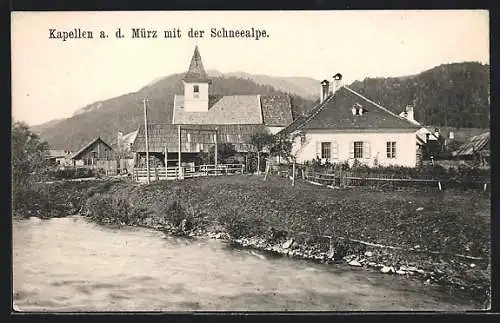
x=110, y=167
x=348, y=178
x=344, y=178
x=173, y=173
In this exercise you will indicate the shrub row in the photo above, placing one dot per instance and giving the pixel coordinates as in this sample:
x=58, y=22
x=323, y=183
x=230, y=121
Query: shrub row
x=110, y=209
x=70, y=173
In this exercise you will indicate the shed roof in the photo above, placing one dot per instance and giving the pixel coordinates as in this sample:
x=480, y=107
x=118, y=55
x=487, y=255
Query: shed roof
x=57, y=153
x=92, y=142
x=474, y=144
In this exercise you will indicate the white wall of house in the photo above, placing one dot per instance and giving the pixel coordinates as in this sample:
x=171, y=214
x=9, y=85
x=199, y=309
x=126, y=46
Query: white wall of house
x=196, y=101
x=79, y=162
x=370, y=146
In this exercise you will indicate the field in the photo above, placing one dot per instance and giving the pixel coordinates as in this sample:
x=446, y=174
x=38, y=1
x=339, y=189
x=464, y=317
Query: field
x=446, y=233
x=448, y=221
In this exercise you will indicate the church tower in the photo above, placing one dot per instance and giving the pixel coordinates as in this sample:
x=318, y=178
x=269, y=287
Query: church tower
x=196, y=83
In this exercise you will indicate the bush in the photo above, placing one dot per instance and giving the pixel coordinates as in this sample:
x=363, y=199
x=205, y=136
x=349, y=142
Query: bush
x=99, y=189
x=106, y=208
x=71, y=173
x=251, y=166
x=30, y=202
x=174, y=213
x=238, y=226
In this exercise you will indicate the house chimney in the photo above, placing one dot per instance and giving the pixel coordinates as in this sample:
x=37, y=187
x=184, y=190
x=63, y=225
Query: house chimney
x=409, y=113
x=337, y=82
x=436, y=132
x=325, y=85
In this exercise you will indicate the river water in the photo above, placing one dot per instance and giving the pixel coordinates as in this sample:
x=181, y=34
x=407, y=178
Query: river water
x=70, y=264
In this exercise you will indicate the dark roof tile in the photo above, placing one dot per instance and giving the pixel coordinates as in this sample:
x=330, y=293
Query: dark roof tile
x=276, y=110
x=336, y=113
x=196, y=71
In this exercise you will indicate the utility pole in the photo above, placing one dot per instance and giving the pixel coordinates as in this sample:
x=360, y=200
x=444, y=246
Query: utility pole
x=215, y=141
x=146, y=134
x=179, y=153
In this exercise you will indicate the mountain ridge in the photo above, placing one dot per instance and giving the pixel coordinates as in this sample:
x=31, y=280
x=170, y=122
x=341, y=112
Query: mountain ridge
x=462, y=89
x=124, y=113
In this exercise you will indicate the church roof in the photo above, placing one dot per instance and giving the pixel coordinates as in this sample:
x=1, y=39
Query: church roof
x=196, y=71
x=228, y=109
x=270, y=110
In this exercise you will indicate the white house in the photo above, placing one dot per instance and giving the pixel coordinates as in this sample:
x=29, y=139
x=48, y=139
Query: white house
x=346, y=126
x=424, y=135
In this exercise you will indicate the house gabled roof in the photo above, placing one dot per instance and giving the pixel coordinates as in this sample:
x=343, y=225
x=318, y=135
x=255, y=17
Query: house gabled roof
x=335, y=113
x=196, y=71
x=93, y=141
x=404, y=114
x=194, y=137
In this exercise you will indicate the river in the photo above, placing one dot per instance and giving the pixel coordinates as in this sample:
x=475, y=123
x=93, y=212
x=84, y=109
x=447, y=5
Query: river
x=70, y=264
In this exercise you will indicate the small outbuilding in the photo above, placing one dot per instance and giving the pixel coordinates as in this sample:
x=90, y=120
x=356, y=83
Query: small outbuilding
x=476, y=147
x=59, y=157
x=95, y=154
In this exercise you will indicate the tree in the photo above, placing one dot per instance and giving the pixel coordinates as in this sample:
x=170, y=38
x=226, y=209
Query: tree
x=28, y=156
x=281, y=147
x=260, y=141
x=29, y=165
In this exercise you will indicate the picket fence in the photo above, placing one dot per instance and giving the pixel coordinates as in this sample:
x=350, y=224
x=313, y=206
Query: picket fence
x=178, y=173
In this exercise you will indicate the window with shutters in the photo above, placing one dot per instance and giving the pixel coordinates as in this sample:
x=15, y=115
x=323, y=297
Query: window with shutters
x=326, y=150
x=391, y=149
x=358, y=149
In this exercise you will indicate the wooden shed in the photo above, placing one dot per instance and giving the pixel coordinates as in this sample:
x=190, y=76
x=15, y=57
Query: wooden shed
x=95, y=154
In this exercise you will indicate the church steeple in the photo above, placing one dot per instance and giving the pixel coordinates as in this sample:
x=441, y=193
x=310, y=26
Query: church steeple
x=196, y=71
x=196, y=84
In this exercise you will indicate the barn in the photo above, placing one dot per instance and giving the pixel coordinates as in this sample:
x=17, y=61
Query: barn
x=95, y=154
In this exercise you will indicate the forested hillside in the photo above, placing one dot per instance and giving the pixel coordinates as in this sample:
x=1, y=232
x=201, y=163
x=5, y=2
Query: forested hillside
x=450, y=95
x=125, y=113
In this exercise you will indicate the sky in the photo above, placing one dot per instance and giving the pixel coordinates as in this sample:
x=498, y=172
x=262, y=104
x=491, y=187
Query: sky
x=51, y=78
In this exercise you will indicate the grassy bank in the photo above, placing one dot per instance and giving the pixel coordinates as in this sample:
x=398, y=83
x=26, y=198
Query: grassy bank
x=52, y=199
x=441, y=237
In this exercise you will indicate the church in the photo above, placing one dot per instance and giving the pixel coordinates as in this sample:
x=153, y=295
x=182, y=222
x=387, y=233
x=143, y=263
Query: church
x=200, y=119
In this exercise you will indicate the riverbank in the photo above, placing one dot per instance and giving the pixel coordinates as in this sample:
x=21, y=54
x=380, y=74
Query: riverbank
x=439, y=237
